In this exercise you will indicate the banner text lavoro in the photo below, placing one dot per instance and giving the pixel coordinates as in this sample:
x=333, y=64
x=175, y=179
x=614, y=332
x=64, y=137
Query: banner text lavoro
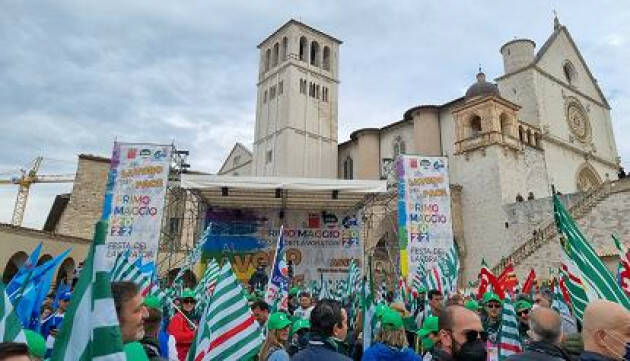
x=424, y=210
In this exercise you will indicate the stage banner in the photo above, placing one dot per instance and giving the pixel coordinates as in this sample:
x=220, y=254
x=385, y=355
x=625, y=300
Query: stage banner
x=134, y=199
x=424, y=211
x=317, y=242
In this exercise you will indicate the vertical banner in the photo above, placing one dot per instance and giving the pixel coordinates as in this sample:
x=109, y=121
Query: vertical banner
x=134, y=199
x=424, y=211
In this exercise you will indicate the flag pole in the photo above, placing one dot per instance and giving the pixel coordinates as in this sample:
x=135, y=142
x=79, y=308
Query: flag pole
x=182, y=313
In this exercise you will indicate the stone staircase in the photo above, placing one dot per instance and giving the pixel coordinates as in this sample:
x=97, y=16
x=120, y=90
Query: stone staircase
x=547, y=230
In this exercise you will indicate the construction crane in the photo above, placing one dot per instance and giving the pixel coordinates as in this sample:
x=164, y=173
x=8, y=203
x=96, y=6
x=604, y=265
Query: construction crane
x=24, y=182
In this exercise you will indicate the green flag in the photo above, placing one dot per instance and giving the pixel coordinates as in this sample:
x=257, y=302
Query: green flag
x=595, y=273
x=90, y=329
x=10, y=326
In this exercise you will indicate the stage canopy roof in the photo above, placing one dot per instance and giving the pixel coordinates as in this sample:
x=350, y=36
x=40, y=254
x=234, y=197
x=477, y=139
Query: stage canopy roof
x=281, y=192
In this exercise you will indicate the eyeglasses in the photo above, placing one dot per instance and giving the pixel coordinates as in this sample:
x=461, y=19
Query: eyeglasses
x=493, y=305
x=188, y=300
x=472, y=335
x=522, y=312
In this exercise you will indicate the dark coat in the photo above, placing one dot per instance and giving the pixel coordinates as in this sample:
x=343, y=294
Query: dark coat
x=381, y=352
x=592, y=356
x=441, y=355
x=541, y=351
x=318, y=350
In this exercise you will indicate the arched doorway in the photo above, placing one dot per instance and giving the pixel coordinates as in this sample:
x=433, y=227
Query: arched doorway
x=13, y=265
x=587, y=178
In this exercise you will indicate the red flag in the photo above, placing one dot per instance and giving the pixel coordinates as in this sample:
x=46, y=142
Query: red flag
x=565, y=291
x=492, y=280
x=527, y=287
x=507, y=280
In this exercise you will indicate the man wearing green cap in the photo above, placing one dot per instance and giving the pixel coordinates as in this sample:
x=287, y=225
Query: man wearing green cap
x=391, y=341
x=492, y=318
x=428, y=334
x=272, y=349
x=522, y=309
x=299, y=335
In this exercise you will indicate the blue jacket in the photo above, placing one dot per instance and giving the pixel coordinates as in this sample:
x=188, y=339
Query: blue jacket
x=382, y=352
x=592, y=356
x=319, y=351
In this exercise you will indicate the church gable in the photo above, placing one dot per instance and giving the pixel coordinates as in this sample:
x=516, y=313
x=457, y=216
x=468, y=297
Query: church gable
x=238, y=157
x=560, y=58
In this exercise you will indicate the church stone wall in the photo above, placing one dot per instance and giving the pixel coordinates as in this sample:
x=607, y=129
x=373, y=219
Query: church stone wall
x=86, y=200
x=483, y=217
x=610, y=215
x=520, y=88
x=522, y=172
x=554, y=59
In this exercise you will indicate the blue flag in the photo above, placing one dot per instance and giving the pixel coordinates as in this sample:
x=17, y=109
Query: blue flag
x=277, y=294
x=34, y=290
x=26, y=268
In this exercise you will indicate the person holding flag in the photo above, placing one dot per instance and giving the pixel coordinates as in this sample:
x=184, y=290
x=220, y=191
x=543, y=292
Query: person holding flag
x=277, y=293
x=184, y=324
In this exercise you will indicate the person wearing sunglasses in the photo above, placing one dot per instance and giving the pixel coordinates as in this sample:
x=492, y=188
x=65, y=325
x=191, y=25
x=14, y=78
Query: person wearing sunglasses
x=492, y=317
x=461, y=336
x=546, y=335
x=523, y=309
x=184, y=324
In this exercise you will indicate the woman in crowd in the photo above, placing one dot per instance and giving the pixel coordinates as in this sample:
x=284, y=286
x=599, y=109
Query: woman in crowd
x=391, y=341
x=184, y=324
x=277, y=336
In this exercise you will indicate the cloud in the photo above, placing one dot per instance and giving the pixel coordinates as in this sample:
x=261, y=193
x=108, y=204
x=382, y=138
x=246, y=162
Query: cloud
x=75, y=75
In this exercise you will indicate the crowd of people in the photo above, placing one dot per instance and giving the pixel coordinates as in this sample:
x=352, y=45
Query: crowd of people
x=443, y=328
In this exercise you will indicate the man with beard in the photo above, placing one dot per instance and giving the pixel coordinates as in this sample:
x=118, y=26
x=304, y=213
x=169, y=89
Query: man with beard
x=461, y=336
x=492, y=318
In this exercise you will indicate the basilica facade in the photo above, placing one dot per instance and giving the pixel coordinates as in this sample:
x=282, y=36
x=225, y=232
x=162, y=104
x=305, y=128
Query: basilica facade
x=545, y=123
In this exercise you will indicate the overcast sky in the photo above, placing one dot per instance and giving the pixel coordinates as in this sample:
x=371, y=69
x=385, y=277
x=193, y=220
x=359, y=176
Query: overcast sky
x=75, y=75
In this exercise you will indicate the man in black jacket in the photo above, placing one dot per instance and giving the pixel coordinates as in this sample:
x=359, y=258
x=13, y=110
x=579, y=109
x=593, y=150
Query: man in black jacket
x=329, y=326
x=545, y=329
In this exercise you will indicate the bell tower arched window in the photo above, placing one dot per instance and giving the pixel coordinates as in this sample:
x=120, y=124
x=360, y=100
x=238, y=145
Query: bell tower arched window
x=303, y=48
x=267, y=59
x=285, y=48
x=315, y=53
x=326, y=58
x=474, y=126
x=276, y=54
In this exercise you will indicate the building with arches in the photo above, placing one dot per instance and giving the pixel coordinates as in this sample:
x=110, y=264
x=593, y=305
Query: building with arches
x=544, y=121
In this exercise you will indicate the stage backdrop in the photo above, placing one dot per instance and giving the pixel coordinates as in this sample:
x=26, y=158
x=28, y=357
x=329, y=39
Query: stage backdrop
x=424, y=210
x=317, y=241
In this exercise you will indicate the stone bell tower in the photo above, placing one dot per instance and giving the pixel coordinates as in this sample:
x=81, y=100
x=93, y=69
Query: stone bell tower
x=296, y=110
